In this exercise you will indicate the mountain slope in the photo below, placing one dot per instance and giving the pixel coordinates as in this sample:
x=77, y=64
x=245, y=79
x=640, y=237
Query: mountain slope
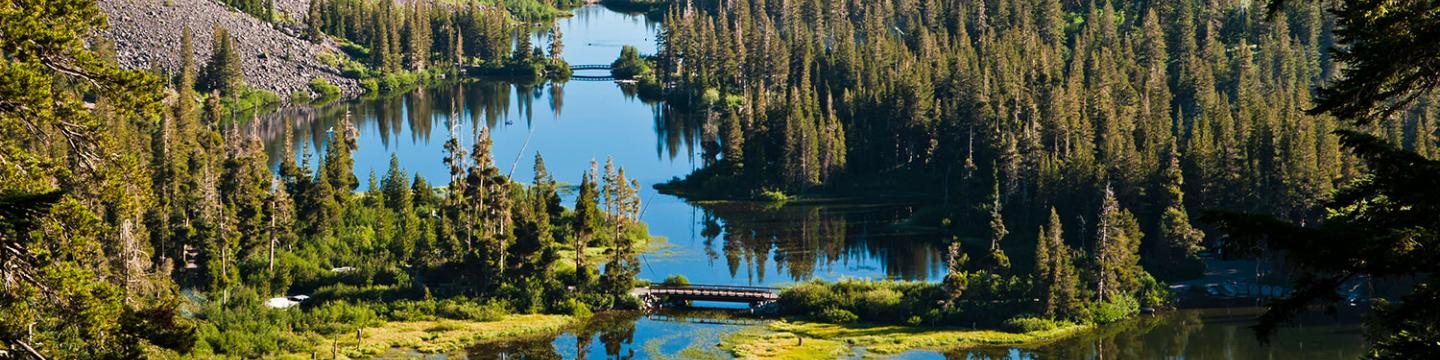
x=147, y=35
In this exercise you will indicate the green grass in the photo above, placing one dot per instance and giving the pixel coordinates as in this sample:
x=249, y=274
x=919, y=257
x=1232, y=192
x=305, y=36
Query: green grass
x=437, y=336
x=595, y=255
x=780, y=339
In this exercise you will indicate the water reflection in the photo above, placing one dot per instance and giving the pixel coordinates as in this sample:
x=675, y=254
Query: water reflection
x=1199, y=334
x=741, y=243
x=807, y=241
x=619, y=335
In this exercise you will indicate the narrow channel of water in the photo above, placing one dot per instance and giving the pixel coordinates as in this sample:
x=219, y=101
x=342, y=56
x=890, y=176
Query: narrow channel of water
x=573, y=123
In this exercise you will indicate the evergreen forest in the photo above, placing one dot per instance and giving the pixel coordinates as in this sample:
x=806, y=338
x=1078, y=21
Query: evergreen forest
x=1076, y=156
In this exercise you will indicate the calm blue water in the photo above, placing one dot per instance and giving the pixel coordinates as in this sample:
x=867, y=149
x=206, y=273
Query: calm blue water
x=573, y=123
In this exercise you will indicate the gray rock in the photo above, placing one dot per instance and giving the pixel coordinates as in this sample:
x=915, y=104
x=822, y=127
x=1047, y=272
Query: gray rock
x=147, y=32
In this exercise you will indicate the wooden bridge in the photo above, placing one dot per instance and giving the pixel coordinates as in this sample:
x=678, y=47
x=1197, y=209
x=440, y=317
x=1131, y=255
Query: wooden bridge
x=591, y=78
x=660, y=295
x=604, y=77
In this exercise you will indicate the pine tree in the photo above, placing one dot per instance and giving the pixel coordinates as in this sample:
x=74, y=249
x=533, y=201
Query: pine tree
x=734, y=138
x=314, y=21
x=546, y=187
x=281, y=223
x=1056, y=276
x=223, y=72
x=380, y=39
x=1117, y=247
x=457, y=209
x=996, y=260
x=339, y=165
x=418, y=39
x=585, y=223
x=1181, y=240
x=557, y=43
x=957, y=278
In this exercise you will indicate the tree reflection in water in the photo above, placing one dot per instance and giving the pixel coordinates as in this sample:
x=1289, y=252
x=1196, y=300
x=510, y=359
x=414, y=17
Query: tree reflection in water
x=805, y=241
x=1198, y=334
x=615, y=332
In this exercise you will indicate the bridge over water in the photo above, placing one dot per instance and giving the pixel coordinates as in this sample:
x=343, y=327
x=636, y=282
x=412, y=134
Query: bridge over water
x=590, y=67
x=604, y=77
x=661, y=295
x=599, y=77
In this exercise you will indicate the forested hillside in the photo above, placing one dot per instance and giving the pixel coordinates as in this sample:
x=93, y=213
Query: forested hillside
x=1060, y=147
x=1012, y=110
x=1050, y=102
x=137, y=221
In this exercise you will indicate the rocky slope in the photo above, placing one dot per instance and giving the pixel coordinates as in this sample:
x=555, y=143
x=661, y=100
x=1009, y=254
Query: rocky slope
x=147, y=36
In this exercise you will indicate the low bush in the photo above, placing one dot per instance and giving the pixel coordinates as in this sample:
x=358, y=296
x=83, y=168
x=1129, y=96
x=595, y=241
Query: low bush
x=323, y=89
x=574, y=307
x=772, y=195
x=676, y=280
x=1108, y=312
x=462, y=309
x=1033, y=324
x=870, y=301
x=371, y=86
x=836, y=316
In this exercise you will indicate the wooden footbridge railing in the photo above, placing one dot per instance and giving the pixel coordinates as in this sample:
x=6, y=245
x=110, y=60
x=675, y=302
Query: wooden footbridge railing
x=659, y=295
x=590, y=67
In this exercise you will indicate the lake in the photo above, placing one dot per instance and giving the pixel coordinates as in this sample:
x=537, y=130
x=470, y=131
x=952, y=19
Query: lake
x=572, y=124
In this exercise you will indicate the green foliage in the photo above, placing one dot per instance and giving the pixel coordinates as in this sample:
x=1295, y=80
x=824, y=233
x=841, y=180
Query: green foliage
x=260, y=9
x=323, y=89
x=676, y=280
x=76, y=185
x=574, y=307
x=869, y=301
x=772, y=195
x=629, y=65
x=1153, y=293
x=1106, y=312
x=1378, y=224
x=836, y=316
x=116, y=201
x=461, y=310
x=247, y=100
x=370, y=86
x=1033, y=324
x=223, y=72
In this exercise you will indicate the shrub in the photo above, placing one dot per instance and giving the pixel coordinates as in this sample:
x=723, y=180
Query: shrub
x=806, y=298
x=394, y=82
x=772, y=195
x=880, y=305
x=462, y=309
x=1154, y=294
x=355, y=50
x=626, y=302
x=676, y=280
x=836, y=316
x=370, y=85
x=575, y=308
x=710, y=96
x=323, y=89
x=1108, y=312
x=299, y=97
x=337, y=317
x=629, y=65
x=406, y=310
x=1033, y=324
